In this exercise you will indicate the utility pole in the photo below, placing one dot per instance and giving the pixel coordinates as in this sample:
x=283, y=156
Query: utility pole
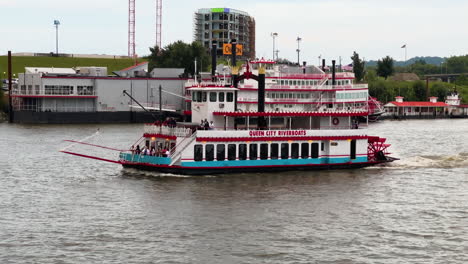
x=298, y=50
x=274, y=35
x=10, y=106
x=56, y=23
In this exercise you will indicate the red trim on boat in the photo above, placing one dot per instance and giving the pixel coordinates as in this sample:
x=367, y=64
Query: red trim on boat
x=56, y=96
x=286, y=138
x=149, y=135
x=240, y=114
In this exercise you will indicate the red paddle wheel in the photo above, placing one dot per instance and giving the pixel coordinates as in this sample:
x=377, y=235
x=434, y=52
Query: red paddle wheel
x=377, y=149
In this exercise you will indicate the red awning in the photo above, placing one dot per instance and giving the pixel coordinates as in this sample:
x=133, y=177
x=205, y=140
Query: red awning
x=287, y=114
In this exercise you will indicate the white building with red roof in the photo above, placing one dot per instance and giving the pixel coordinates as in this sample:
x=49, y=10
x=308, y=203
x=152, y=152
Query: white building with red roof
x=399, y=108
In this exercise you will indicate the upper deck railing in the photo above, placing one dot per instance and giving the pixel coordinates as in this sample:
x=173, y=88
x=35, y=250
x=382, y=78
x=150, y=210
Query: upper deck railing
x=168, y=131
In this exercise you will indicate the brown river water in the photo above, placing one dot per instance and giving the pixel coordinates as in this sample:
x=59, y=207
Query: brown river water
x=57, y=208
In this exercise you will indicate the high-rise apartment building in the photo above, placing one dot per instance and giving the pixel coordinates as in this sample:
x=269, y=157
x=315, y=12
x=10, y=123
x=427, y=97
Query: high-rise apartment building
x=222, y=25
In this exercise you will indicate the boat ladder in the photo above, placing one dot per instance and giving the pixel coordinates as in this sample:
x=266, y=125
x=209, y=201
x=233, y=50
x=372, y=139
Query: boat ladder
x=179, y=148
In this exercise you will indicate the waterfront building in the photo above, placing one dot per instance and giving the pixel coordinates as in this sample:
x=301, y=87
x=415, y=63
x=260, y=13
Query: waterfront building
x=431, y=109
x=223, y=24
x=89, y=95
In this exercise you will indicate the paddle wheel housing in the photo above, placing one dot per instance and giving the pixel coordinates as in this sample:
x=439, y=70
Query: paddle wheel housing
x=377, y=149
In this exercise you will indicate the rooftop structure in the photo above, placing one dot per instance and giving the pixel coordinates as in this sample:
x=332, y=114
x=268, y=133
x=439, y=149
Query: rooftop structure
x=223, y=24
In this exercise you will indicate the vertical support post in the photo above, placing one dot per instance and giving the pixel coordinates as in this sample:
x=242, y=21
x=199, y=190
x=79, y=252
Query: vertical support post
x=160, y=104
x=10, y=85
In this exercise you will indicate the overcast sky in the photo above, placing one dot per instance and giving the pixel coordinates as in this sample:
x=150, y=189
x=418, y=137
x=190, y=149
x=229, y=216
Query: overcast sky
x=331, y=28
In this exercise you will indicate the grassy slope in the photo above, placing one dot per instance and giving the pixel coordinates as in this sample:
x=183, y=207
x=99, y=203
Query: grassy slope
x=20, y=62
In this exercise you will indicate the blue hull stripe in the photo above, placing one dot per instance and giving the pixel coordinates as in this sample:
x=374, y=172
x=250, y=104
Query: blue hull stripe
x=278, y=162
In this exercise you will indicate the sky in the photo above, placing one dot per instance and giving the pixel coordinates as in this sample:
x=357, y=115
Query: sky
x=328, y=28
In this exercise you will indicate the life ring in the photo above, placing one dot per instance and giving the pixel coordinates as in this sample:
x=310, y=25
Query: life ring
x=335, y=121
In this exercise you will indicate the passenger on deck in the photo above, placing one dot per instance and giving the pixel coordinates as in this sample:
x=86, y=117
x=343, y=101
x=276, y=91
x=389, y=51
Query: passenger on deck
x=132, y=149
x=206, y=125
x=137, y=150
x=212, y=127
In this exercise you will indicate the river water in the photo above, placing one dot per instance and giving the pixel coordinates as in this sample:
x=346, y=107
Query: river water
x=57, y=208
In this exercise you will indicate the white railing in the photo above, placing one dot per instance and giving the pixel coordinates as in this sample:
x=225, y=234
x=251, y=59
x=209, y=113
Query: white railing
x=170, y=131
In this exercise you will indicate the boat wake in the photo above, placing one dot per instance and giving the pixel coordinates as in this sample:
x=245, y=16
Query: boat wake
x=459, y=160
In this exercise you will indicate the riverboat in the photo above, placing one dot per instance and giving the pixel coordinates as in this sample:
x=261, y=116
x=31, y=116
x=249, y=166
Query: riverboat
x=278, y=135
x=240, y=139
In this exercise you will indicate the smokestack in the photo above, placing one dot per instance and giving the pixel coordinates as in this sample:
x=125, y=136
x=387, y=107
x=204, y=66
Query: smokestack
x=333, y=72
x=323, y=64
x=233, y=51
x=213, y=61
x=261, y=122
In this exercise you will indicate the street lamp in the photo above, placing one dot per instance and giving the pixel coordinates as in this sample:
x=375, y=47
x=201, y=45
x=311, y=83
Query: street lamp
x=298, y=50
x=274, y=35
x=56, y=23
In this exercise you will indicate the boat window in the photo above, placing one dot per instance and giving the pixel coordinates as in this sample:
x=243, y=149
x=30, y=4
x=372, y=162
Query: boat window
x=284, y=150
x=209, y=152
x=242, y=151
x=264, y=151
x=295, y=150
x=198, y=153
x=315, y=150
x=231, y=151
x=230, y=97
x=274, y=151
x=212, y=96
x=304, y=150
x=220, y=152
x=221, y=97
x=203, y=96
x=322, y=146
x=253, y=151
x=282, y=82
x=353, y=149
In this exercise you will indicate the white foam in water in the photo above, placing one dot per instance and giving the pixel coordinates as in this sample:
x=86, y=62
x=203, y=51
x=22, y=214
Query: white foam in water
x=451, y=161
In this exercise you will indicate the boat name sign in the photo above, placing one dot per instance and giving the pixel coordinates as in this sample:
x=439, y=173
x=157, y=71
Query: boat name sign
x=279, y=133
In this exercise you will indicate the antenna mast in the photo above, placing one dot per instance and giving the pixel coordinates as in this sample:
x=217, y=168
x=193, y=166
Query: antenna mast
x=158, y=22
x=131, y=28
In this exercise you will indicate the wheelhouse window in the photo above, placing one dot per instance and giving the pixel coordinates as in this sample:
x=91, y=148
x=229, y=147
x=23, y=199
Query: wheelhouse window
x=220, y=152
x=209, y=152
x=242, y=151
x=253, y=151
x=198, y=153
x=230, y=97
x=221, y=97
x=304, y=150
x=284, y=150
x=274, y=151
x=212, y=96
x=264, y=151
x=231, y=151
x=203, y=96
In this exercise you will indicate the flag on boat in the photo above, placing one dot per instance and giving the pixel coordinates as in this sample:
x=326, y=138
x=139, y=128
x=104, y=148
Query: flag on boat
x=348, y=67
x=404, y=46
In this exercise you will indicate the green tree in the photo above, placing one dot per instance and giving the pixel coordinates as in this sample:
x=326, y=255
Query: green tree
x=385, y=67
x=419, y=90
x=358, y=67
x=179, y=55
